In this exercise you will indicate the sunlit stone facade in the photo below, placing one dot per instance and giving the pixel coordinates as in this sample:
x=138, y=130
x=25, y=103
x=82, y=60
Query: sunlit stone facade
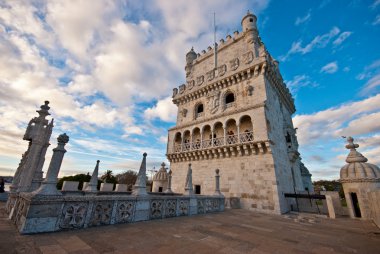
x=234, y=114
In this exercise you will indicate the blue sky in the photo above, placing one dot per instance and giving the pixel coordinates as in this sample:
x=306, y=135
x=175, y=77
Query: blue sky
x=108, y=69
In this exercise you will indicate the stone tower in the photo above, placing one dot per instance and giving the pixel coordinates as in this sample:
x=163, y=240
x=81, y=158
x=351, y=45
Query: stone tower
x=235, y=115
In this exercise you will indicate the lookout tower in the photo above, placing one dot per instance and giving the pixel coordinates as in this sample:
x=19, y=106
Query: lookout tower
x=236, y=117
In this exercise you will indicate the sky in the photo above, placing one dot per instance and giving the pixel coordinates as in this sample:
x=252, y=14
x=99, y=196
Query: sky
x=108, y=69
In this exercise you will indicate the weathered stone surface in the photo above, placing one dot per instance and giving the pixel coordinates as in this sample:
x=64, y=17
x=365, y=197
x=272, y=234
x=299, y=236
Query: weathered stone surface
x=238, y=120
x=121, y=187
x=106, y=186
x=70, y=186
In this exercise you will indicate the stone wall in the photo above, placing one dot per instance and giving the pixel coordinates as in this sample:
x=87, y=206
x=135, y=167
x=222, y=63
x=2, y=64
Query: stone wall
x=38, y=213
x=374, y=199
x=249, y=178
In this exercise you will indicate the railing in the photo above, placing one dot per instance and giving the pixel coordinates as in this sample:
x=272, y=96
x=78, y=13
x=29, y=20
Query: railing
x=245, y=137
x=229, y=105
x=206, y=143
x=232, y=139
x=199, y=114
x=218, y=141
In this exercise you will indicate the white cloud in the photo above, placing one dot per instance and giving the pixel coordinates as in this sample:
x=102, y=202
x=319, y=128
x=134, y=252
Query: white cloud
x=330, y=68
x=304, y=19
x=320, y=41
x=375, y=4
x=377, y=20
x=298, y=82
x=341, y=38
x=164, y=110
x=372, y=74
x=356, y=118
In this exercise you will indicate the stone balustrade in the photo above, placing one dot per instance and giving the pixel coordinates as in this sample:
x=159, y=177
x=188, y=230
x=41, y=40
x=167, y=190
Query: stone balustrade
x=37, y=214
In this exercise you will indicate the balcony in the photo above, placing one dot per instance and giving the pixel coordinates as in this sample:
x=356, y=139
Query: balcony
x=243, y=138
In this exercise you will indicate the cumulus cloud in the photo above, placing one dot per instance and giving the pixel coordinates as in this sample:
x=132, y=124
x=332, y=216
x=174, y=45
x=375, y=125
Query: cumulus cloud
x=355, y=118
x=330, y=68
x=164, y=110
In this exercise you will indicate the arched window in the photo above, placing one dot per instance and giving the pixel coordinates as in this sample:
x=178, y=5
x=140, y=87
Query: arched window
x=199, y=110
x=229, y=99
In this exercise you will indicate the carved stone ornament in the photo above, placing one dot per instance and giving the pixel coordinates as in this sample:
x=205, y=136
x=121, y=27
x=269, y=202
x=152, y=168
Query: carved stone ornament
x=170, y=208
x=73, y=215
x=222, y=70
x=200, y=80
x=125, y=211
x=190, y=84
x=213, y=101
x=184, y=112
x=156, y=209
x=248, y=57
x=212, y=205
x=210, y=75
x=175, y=91
x=182, y=88
x=200, y=205
x=101, y=214
x=234, y=64
x=183, y=207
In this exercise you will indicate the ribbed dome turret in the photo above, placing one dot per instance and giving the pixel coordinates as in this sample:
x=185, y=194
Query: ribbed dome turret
x=161, y=175
x=357, y=168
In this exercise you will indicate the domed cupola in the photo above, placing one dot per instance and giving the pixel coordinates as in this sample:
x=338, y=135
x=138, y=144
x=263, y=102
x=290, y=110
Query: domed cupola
x=357, y=169
x=161, y=175
x=160, y=180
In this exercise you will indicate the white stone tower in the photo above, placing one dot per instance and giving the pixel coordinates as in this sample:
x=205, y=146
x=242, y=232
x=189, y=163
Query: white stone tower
x=236, y=117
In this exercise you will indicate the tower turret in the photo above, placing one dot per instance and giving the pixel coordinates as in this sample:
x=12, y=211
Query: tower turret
x=190, y=57
x=249, y=26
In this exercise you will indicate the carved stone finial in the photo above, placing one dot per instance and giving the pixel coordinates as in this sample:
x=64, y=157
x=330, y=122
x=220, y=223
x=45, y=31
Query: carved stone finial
x=354, y=156
x=145, y=154
x=217, y=171
x=63, y=138
x=163, y=164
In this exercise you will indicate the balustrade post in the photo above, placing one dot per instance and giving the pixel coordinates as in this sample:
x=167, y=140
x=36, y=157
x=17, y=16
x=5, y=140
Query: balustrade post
x=225, y=136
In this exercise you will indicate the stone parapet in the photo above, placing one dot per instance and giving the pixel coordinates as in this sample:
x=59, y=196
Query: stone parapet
x=39, y=213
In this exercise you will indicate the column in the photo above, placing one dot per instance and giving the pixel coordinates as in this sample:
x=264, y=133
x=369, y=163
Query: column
x=225, y=136
x=189, y=182
x=169, y=189
x=238, y=132
x=217, y=187
x=48, y=186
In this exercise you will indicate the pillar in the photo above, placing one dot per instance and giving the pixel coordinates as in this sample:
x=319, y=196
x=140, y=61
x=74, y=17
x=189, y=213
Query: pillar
x=189, y=182
x=217, y=187
x=48, y=186
x=169, y=189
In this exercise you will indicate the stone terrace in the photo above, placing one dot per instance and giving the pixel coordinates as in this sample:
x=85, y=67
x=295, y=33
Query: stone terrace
x=234, y=231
